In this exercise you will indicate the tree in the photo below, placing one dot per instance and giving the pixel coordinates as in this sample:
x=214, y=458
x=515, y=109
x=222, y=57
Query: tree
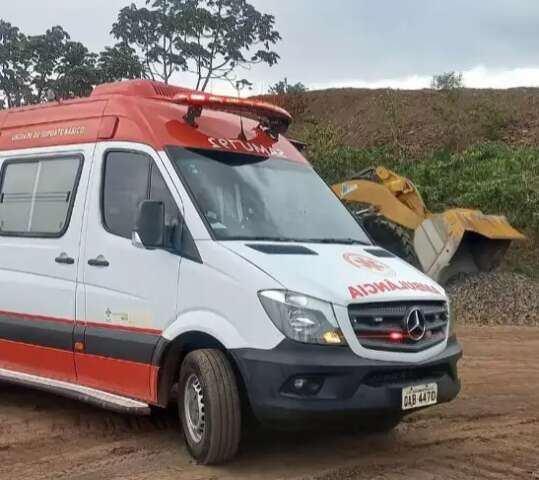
x=155, y=34
x=209, y=38
x=285, y=88
x=46, y=51
x=447, y=81
x=77, y=72
x=119, y=63
x=31, y=67
x=60, y=65
x=15, y=60
x=227, y=35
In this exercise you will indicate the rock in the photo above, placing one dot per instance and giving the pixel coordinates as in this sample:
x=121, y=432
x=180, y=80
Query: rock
x=499, y=298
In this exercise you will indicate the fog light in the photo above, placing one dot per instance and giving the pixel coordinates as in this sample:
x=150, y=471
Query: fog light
x=304, y=386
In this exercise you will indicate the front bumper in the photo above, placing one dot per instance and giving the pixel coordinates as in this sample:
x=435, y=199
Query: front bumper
x=351, y=386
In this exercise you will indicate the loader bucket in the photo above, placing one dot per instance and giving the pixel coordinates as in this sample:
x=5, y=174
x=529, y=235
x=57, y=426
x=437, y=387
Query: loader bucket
x=462, y=241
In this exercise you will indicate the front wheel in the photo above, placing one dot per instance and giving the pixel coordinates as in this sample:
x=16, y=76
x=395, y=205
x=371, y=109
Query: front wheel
x=209, y=406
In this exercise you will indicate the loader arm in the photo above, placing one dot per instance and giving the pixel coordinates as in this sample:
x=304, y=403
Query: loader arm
x=381, y=199
x=403, y=189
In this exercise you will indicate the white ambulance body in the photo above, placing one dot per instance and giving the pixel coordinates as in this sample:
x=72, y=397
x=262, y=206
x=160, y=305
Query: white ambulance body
x=153, y=242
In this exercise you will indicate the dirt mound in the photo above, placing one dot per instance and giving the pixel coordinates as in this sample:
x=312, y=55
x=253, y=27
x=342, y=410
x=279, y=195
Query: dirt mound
x=420, y=121
x=500, y=298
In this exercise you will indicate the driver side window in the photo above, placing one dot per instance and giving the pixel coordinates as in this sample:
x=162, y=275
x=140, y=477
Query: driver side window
x=128, y=179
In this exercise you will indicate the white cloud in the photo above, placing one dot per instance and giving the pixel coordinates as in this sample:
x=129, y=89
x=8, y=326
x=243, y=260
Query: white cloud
x=406, y=83
x=477, y=77
x=482, y=77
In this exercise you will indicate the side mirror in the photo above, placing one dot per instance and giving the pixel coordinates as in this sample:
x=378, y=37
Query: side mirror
x=150, y=225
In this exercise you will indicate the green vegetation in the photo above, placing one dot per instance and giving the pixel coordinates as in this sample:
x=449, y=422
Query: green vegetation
x=447, y=81
x=213, y=40
x=492, y=119
x=285, y=88
x=493, y=177
x=392, y=107
x=336, y=161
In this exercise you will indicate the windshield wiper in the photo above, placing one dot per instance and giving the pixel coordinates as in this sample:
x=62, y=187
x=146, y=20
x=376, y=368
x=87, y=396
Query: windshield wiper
x=337, y=241
x=262, y=239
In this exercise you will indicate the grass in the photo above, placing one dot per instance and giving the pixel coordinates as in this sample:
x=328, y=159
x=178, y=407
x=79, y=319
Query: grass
x=494, y=178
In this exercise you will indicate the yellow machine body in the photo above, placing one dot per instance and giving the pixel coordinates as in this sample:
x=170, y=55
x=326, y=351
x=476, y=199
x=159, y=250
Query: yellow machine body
x=455, y=241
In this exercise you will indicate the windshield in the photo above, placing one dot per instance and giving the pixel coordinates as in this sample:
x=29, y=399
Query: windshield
x=249, y=198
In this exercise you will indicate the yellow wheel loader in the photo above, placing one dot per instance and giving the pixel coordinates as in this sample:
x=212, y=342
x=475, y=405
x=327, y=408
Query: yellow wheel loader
x=443, y=245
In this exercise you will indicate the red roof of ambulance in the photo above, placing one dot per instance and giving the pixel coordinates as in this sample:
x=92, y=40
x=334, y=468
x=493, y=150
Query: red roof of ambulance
x=138, y=111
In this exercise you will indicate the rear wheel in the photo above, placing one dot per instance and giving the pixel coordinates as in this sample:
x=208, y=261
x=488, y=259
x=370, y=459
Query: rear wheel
x=209, y=406
x=393, y=238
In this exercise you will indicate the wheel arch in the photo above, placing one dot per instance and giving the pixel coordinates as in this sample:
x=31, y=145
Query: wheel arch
x=169, y=355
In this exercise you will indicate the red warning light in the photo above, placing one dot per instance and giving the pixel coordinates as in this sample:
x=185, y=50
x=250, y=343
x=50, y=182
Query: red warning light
x=275, y=119
x=396, y=336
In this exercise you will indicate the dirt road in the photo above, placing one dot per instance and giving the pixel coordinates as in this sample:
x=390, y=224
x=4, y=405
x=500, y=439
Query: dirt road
x=490, y=432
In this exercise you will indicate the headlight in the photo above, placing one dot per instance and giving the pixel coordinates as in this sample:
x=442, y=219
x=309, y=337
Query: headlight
x=301, y=318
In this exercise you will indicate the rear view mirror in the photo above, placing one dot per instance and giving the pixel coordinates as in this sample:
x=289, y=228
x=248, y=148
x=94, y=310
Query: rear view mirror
x=150, y=225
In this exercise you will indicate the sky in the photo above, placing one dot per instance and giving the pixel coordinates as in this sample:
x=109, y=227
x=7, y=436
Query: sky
x=351, y=43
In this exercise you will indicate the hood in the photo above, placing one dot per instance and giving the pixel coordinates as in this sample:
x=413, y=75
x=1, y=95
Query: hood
x=341, y=274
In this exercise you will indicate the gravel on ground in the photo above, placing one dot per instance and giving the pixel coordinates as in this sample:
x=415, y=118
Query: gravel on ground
x=500, y=298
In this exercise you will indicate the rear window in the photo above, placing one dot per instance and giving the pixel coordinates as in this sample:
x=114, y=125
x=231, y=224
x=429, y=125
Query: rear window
x=36, y=196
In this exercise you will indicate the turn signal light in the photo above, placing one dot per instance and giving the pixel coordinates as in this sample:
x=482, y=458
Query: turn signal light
x=333, y=337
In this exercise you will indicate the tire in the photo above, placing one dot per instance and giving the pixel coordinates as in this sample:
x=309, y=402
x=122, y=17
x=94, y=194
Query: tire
x=393, y=238
x=208, y=385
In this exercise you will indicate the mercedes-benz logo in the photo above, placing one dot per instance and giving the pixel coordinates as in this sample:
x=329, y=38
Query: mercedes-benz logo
x=415, y=325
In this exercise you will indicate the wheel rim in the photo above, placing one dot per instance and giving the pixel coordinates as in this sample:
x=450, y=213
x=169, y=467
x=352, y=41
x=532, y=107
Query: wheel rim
x=193, y=404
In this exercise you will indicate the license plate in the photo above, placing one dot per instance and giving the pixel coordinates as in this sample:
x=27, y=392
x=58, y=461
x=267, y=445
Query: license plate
x=418, y=396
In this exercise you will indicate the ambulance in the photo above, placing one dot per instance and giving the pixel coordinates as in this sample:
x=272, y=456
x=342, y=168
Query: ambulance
x=160, y=245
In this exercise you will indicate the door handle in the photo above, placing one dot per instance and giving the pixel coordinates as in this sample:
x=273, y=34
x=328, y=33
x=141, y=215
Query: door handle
x=65, y=259
x=99, y=261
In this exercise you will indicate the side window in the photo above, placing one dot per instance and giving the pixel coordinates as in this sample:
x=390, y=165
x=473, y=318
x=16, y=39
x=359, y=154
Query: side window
x=130, y=178
x=36, y=196
x=125, y=185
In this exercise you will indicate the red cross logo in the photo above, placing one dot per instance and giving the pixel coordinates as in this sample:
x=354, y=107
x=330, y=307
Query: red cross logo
x=361, y=261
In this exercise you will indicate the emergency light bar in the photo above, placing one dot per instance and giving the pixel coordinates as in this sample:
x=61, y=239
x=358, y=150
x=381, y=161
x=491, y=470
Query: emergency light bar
x=271, y=117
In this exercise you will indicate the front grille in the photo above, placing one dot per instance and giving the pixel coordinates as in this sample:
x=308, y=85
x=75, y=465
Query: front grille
x=382, y=326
